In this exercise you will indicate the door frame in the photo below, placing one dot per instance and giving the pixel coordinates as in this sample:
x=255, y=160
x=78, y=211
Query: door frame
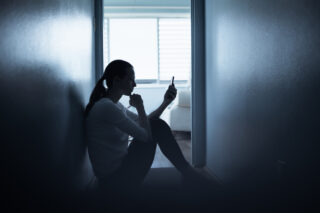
x=198, y=105
x=98, y=38
x=198, y=87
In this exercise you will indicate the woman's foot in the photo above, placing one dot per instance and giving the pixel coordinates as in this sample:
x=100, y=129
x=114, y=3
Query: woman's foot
x=194, y=176
x=197, y=179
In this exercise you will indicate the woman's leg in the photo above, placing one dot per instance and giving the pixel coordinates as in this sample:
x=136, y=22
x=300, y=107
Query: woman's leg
x=124, y=183
x=162, y=134
x=140, y=156
x=133, y=169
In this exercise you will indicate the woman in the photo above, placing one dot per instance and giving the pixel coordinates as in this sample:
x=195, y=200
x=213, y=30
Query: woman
x=108, y=125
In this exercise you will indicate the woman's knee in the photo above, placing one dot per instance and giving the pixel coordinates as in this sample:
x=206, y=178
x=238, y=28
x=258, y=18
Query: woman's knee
x=159, y=127
x=158, y=123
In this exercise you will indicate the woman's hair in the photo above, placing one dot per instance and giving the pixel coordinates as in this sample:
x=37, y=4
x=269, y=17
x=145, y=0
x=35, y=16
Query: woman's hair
x=115, y=68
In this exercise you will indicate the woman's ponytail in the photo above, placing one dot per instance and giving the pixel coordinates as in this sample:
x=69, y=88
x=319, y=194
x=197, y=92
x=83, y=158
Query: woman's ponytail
x=98, y=92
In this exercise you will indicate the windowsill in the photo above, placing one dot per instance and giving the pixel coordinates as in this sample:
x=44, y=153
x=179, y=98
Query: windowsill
x=155, y=85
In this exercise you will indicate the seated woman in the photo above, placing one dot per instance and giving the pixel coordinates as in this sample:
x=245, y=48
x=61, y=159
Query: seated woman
x=116, y=164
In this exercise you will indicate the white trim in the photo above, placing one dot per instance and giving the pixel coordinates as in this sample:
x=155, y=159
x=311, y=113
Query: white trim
x=155, y=85
x=147, y=7
x=146, y=15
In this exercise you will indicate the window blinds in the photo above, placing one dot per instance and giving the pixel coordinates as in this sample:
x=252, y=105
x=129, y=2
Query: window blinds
x=173, y=30
x=174, y=48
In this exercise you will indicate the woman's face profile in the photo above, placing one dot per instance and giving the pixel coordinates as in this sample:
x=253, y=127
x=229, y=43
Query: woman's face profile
x=128, y=82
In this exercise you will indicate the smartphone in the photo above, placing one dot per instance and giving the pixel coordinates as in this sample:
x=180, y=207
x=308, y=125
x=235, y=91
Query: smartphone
x=172, y=81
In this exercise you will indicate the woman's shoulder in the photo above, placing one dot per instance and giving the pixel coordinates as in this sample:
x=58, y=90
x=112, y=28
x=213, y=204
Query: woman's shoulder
x=105, y=108
x=105, y=101
x=106, y=105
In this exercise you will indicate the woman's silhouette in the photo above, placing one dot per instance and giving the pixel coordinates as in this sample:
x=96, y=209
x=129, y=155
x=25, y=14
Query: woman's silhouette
x=116, y=164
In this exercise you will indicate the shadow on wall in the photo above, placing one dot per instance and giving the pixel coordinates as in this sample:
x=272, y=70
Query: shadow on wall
x=42, y=137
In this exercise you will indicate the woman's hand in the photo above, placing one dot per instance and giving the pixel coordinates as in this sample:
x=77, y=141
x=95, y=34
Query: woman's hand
x=170, y=94
x=136, y=101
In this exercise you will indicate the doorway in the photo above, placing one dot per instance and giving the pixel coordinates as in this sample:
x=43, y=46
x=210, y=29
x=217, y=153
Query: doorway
x=163, y=32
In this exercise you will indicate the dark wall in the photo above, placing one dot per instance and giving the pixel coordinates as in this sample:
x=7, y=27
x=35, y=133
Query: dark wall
x=46, y=72
x=262, y=89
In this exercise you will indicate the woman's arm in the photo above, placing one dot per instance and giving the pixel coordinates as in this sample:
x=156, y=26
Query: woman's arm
x=169, y=96
x=136, y=101
x=143, y=120
x=156, y=113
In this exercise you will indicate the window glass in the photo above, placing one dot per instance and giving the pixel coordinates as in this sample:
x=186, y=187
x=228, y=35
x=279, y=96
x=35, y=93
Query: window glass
x=174, y=48
x=135, y=40
x=154, y=36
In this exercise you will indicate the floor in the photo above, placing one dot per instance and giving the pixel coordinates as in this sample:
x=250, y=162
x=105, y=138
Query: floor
x=184, y=141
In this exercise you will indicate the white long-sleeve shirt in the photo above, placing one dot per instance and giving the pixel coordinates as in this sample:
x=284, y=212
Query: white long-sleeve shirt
x=108, y=126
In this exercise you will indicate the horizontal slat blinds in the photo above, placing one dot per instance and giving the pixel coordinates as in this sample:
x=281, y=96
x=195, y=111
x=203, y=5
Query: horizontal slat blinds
x=140, y=8
x=174, y=48
x=158, y=50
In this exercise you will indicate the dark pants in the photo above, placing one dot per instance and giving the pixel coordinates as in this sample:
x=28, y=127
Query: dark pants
x=138, y=161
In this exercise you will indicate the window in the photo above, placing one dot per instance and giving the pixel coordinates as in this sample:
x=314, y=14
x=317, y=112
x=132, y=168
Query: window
x=156, y=40
x=174, y=48
x=135, y=40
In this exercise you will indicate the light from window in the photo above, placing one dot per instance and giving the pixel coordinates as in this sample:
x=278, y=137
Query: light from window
x=135, y=40
x=156, y=40
x=174, y=48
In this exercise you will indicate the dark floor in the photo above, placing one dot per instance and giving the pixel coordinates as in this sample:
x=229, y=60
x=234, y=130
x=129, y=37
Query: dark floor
x=164, y=190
